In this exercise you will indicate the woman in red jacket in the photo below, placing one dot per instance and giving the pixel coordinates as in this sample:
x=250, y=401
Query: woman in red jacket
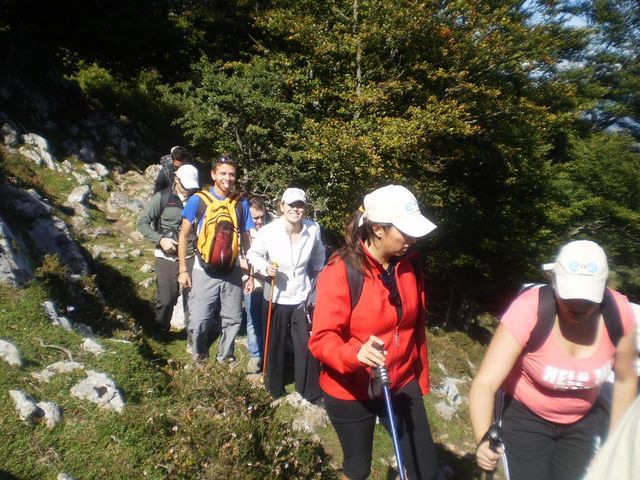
x=385, y=327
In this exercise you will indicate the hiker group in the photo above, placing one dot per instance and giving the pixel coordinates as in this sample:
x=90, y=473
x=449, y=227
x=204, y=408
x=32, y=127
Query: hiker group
x=558, y=376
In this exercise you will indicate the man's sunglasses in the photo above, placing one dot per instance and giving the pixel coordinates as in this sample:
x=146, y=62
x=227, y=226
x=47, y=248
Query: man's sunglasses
x=223, y=159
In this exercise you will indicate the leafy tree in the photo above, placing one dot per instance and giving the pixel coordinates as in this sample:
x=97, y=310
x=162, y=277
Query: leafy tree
x=598, y=197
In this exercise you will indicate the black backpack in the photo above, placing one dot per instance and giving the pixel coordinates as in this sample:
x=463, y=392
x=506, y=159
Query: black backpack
x=547, y=315
x=355, y=280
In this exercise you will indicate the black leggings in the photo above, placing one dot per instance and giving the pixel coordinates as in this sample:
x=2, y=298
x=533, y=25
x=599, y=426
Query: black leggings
x=538, y=449
x=354, y=422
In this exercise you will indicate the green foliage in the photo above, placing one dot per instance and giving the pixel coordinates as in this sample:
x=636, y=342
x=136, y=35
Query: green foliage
x=598, y=198
x=138, y=98
x=224, y=427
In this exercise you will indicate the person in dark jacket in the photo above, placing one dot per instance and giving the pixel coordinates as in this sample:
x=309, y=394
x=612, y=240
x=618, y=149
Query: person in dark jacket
x=385, y=327
x=170, y=163
x=159, y=222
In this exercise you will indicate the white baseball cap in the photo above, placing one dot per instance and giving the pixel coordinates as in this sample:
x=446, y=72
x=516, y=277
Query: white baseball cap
x=396, y=205
x=292, y=195
x=188, y=176
x=580, y=271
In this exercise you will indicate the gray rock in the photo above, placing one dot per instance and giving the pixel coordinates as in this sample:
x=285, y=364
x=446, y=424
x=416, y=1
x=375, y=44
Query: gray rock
x=14, y=265
x=66, y=166
x=99, y=232
x=177, y=318
x=119, y=201
x=25, y=405
x=96, y=170
x=10, y=353
x=87, y=154
x=9, y=135
x=84, y=330
x=148, y=283
x=81, y=179
x=309, y=417
x=79, y=194
x=449, y=389
x=445, y=410
x=52, y=414
x=39, y=145
x=92, y=346
x=99, y=389
x=64, y=476
x=59, y=367
x=146, y=268
x=57, y=320
x=101, y=250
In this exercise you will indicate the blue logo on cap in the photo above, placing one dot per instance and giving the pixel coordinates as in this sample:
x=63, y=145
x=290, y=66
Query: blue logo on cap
x=584, y=268
x=411, y=206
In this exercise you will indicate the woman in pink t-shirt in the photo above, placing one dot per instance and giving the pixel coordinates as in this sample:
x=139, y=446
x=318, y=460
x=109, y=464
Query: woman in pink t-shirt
x=551, y=380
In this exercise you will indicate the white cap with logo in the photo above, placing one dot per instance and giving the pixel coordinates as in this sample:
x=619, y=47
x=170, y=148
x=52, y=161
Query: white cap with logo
x=396, y=205
x=188, y=176
x=580, y=271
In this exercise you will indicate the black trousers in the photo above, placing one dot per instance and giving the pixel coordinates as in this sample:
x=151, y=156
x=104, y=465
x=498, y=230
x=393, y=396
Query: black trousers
x=168, y=290
x=289, y=323
x=538, y=449
x=354, y=422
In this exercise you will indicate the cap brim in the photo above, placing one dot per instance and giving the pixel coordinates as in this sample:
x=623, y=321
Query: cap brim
x=189, y=185
x=579, y=288
x=416, y=226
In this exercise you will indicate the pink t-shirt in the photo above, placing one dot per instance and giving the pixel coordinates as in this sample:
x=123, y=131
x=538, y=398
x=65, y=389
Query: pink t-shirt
x=549, y=381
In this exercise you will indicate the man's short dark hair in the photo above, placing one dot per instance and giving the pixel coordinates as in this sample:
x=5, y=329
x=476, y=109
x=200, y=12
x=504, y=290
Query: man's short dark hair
x=179, y=153
x=257, y=202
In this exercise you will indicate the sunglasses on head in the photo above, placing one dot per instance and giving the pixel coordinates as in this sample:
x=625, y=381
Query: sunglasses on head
x=223, y=159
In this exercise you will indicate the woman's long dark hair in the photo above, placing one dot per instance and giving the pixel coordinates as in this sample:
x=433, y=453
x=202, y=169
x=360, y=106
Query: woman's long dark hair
x=354, y=235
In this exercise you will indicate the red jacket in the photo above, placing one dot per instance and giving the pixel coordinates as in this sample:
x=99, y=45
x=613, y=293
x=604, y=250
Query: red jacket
x=338, y=333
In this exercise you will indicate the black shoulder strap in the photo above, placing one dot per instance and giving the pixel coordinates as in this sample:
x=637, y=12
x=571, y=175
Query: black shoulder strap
x=612, y=318
x=546, y=318
x=355, y=281
x=165, y=195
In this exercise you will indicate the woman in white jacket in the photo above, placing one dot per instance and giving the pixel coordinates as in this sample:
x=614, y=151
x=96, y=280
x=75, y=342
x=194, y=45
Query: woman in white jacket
x=289, y=249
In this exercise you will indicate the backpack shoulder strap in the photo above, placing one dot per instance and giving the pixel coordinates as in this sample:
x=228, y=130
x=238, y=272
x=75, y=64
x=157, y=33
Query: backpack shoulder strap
x=545, y=320
x=355, y=280
x=206, y=200
x=611, y=316
x=165, y=195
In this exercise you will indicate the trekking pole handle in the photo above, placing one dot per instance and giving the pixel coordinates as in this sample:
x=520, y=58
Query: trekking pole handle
x=493, y=435
x=383, y=375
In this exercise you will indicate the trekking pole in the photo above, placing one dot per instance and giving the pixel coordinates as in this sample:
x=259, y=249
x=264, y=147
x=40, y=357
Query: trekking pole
x=266, y=339
x=384, y=383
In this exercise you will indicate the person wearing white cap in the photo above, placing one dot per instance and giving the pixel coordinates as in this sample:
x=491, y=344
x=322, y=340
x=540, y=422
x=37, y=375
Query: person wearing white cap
x=552, y=351
x=290, y=251
x=159, y=223
x=385, y=326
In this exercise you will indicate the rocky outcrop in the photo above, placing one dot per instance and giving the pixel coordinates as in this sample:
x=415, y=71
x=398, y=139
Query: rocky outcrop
x=46, y=233
x=14, y=265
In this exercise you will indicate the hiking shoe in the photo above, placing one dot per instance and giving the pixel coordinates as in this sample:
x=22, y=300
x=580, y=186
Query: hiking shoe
x=253, y=365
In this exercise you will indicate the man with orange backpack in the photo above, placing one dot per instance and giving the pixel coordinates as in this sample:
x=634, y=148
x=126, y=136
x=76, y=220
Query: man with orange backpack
x=221, y=220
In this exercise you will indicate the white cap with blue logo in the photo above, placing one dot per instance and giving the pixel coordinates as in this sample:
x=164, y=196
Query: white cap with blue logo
x=580, y=271
x=396, y=205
